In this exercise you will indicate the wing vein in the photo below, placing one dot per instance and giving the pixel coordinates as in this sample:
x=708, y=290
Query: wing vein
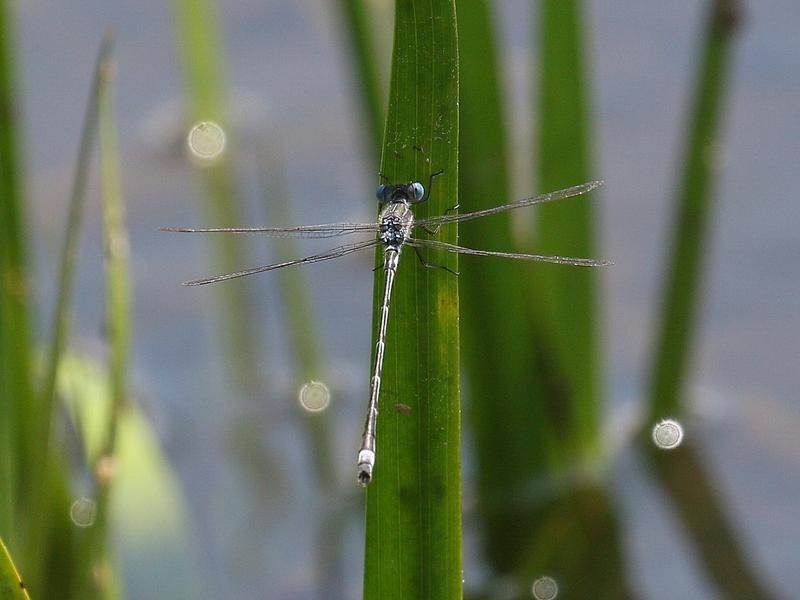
x=301, y=231
x=575, y=190
x=327, y=255
x=561, y=260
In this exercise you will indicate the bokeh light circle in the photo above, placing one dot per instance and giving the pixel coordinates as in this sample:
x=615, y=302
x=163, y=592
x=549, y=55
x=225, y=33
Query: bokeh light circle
x=206, y=140
x=314, y=396
x=667, y=434
x=545, y=588
x=83, y=511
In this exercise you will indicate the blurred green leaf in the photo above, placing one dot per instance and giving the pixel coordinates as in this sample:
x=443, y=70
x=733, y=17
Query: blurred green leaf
x=299, y=315
x=149, y=516
x=526, y=416
x=358, y=35
x=63, y=310
x=687, y=483
x=100, y=581
x=202, y=58
x=41, y=495
x=567, y=307
x=17, y=402
x=513, y=437
x=690, y=234
x=695, y=498
x=117, y=277
x=413, y=547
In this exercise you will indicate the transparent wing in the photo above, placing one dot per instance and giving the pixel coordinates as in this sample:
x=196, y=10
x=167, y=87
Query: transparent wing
x=327, y=255
x=301, y=231
x=561, y=260
x=575, y=190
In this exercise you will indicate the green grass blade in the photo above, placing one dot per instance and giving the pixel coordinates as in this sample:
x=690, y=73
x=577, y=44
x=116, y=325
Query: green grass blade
x=95, y=549
x=568, y=334
x=66, y=274
x=39, y=449
x=413, y=514
x=690, y=233
x=299, y=315
x=12, y=586
x=201, y=54
x=568, y=227
x=512, y=436
x=200, y=50
x=309, y=364
x=363, y=54
x=17, y=404
x=686, y=481
x=117, y=278
x=702, y=510
x=147, y=509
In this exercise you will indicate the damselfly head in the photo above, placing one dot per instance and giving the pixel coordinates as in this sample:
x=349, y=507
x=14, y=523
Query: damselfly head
x=407, y=193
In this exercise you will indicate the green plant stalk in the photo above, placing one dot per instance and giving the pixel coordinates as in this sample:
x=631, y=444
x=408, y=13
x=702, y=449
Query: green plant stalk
x=566, y=297
x=565, y=318
x=583, y=520
x=696, y=500
x=690, y=233
x=309, y=365
x=147, y=532
x=299, y=316
x=357, y=32
x=17, y=405
x=413, y=508
x=202, y=58
x=60, y=554
x=12, y=587
x=513, y=436
x=118, y=331
x=62, y=314
x=685, y=479
x=38, y=493
x=118, y=286
x=200, y=48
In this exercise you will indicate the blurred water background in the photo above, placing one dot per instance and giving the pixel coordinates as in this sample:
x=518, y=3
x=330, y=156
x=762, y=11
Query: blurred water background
x=252, y=508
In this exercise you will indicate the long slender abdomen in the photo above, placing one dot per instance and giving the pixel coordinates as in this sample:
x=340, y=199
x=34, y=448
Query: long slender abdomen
x=366, y=454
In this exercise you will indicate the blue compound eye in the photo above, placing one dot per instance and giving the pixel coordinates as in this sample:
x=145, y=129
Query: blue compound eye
x=380, y=192
x=418, y=190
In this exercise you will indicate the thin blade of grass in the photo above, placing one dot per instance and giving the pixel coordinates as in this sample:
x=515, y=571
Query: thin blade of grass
x=564, y=318
x=688, y=484
x=16, y=393
x=363, y=54
x=95, y=548
x=680, y=301
x=512, y=436
x=147, y=509
x=202, y=58
x=696, y=500
x=66, y=278
x=12, y=587
x=299, y=315
x=309, y=364
x=413, y=513
x=117, y=276
x=39, y=448
x=568, y=297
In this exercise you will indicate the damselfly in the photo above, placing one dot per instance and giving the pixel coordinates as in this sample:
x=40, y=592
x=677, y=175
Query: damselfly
x=393, y=230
